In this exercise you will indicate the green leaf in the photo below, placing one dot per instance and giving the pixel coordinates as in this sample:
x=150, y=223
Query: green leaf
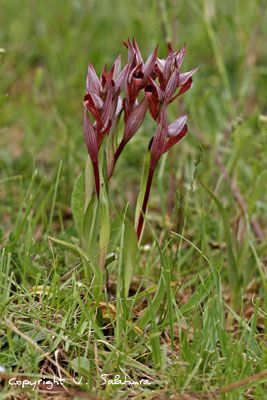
x=81, y=364
x=154, y=338
x=144, y=319
x=77, y=202
x=70, y=246
x=79, y=251
x=232, y=270
x=104, y=222
x=201, y=293
x=160, y=293
x=90, y=226
x=89, y=182
x=129, y=254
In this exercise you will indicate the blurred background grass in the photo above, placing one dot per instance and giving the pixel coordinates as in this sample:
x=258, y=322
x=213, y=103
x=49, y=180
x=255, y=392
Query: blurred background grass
x=48, y=46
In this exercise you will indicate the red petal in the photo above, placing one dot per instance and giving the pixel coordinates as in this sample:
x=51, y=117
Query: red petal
x=105, y=116
x=117, y=67
x=97, y=101
x=90, y=138
x=154, y=97
x=150, y=63
x=183, y=78
x=169, y=65
x=134, y=120
x=137, y=51
x=135, y=82
x=159, y=140
x=131, y=51
x=183, y=89
x=186, y=86
x=171, y=86
x=180, y=57
x=89, y=103
x=175, y=128
x=92, y=81
x=160, y=75
x=121, y=79
x=175, y=139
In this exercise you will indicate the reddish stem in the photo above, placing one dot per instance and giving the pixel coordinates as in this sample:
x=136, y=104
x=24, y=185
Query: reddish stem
x=144, y=206
x=116, y=156
x=97, y=179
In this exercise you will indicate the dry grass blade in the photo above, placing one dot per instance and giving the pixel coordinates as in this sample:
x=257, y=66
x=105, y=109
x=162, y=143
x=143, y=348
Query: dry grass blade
x=14, y=329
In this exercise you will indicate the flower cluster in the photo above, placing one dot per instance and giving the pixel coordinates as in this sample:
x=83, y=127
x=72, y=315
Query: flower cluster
x=132, y=91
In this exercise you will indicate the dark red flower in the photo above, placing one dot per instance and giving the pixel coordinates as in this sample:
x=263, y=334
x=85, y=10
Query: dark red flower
x=137, y=87
x=103, y=103
x=138, y=72
x=154, y=98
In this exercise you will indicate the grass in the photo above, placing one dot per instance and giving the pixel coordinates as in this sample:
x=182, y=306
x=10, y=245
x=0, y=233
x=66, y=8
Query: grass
x=195, y=318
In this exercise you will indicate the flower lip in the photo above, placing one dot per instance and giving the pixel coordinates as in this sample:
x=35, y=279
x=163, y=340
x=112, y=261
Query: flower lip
x=149, y=88
x=138, y=75
x=91, y=106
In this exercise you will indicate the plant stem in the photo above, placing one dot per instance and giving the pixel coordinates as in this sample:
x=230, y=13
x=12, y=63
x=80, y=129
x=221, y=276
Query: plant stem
x=116, y=156
x=97, y=179
x=144, y=206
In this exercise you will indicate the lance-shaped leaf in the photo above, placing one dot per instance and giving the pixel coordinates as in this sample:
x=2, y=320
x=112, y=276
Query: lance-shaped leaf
x=127, y=255
x=92, y=81
x=77, y=202
x=104, y=223
x=134, y=120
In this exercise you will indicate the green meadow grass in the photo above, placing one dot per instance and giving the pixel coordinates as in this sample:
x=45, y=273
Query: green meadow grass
x=195, y=319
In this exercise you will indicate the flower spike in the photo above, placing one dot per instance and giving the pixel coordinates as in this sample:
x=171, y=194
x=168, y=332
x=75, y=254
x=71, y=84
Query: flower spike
x=132, y=90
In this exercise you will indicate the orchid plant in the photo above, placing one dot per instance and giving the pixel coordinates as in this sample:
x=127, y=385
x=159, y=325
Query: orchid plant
x=115, y=105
